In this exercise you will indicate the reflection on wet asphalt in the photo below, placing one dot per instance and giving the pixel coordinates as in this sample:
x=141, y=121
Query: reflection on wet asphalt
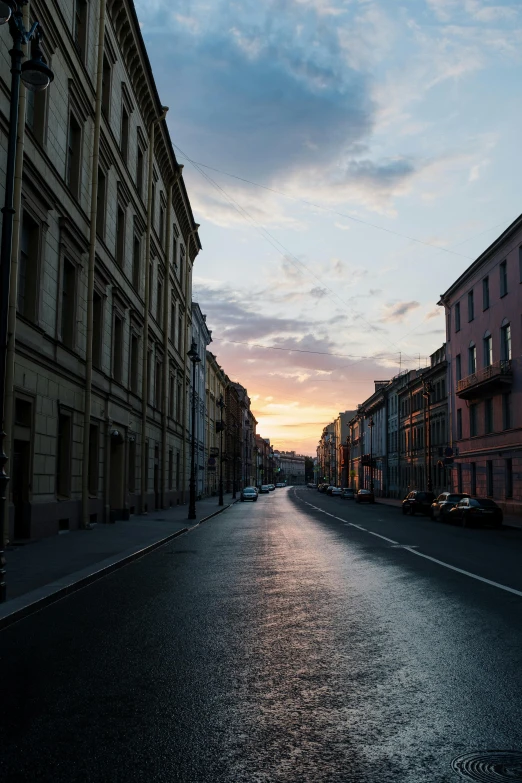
x=277, y=645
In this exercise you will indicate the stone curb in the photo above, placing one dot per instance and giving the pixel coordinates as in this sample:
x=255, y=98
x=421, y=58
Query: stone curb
x=32, y=602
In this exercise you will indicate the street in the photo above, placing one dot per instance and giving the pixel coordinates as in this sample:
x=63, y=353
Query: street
x=276, y=642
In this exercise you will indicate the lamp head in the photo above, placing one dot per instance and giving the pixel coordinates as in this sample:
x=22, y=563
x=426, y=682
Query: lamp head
x=36, y=74
x=7, y=8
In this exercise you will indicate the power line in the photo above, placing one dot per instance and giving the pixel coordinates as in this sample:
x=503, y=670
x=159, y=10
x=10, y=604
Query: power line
x=301, y=350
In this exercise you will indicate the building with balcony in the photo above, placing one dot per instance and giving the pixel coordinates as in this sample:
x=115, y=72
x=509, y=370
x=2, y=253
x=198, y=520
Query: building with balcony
x=216, y=385
x=484, y=352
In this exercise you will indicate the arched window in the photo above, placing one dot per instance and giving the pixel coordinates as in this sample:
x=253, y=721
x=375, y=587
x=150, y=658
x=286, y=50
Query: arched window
x=487, y=343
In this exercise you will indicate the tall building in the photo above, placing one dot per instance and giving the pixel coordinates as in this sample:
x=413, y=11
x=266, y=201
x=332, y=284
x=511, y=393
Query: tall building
x=201, y=337
x=104, y=245
x=484, y=351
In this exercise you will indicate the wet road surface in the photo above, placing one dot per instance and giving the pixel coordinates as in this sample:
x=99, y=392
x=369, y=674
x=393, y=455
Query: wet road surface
x=275, y=643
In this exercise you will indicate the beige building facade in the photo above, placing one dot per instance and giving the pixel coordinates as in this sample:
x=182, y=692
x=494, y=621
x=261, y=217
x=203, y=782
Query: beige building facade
x=105, y=241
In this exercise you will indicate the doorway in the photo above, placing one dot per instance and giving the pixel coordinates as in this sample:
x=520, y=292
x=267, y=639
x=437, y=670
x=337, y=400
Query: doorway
x=20, y=489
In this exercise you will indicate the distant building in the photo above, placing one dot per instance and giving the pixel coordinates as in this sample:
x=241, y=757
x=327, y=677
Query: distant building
x=291, y=468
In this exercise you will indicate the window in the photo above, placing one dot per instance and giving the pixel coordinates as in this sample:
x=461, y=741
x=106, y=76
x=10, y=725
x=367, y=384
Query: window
x=471, y=306
x=36, y=113
x=100, y=203
x=472, y=420
x=503, y=278
x=159, y=301
x=68, y=309
x=174, y=249
x=489, y=478
x=120, y=236
x=505, y=342
x=74, y=156
x=132, y=465
x=485, y=293
x=93, y=460
x=80, y=27
x=473, y=467
x=178, y=465
x=173, y=322
x=151, y=284
x=459, y=424
x=457, y=317
x=106, y=87
x=162, y=226
x=124, y=142
x=488, y=349
x=149, y=373
x=458, y=367
x=178, y=403
x=139, y=171
x=459, y=477
x=145, y=478
x=136, y=253
x=27, y=294
x=134, y=356
x=472, y=359
x=506, y=411
x=63, y=456
x=97, y=329
x=171, y=460
x=180, y=330
x=153, y=205
x=488, y=416
x=157, y=385
x=171, y=396
x=117, y=349
x=509, y=478
x=181, y=266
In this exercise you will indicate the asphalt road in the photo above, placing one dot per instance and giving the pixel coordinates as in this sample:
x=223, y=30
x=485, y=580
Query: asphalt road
x=276, y=643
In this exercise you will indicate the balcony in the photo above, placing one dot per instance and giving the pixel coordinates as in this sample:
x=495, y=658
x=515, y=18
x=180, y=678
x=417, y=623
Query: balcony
x=486, y=381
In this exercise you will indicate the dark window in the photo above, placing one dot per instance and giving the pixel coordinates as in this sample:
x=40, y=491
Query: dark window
x=471, y=306
x=505, y=342
x=63, y=456
x=472, y=359
x=97, y=329
x=488, y=415
x=151, y=285
x=177, y=469
x=178, y=405
x=68, y=313
x=23, y=413
x=106, y=87
x=124, y=133
x=180, y=330
x=171, y=396
x=509, y=478
x=162, y=226
x=136, y=253
x=458, y=367
x=457, y=317
x=117, y=349
x=120, y=237
x=488, y=350
x=35, y=113
x=145, y=478
x=473, y=420
x=134, y=356
x=174, y=251
x=139, y=171
x=93, y=459
x=459, y=424
x=173, y=322
x=473, y=478
x=171, y=460
x=149, y=373
x=158, y=385
x=489, y=478
x=503, y=278
x=159, y=301
x=80, y=27
x=132, y=465
x=100, y=203
x=27, y=292
x=459, y=477
x=485, y=293
x=153, y=205
x=74, y=156
x=506, y=411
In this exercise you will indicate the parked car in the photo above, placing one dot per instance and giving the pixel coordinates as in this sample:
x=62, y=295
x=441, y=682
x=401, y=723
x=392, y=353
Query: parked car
x=441, y=507
x=365, y=496
x=264, y=489
x=322, y=487
x=329, y=489
x=336, y=491
x=248, y=493
x=271, y=487
x=349, y=493
x=417, y=501
x=279, y=485
x=311, y=485
x=476, y=511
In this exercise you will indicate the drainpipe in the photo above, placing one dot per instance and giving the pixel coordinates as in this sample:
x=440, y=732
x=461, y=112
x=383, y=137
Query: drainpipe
x=188, y=304
x=13, y=292
x=85, y=519
x=166, y=316
x=145, y=371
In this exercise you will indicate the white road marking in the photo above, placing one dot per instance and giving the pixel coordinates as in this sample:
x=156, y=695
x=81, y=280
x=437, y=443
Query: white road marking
x=390, y=540
x=352, y=524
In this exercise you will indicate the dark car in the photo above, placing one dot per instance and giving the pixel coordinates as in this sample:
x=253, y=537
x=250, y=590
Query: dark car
x=248, y=493
x=441, y=507
x=348, y=492
x=417, y=501
x=329, y=489
x=476, y=511
x=365, y=496
x=322, y=487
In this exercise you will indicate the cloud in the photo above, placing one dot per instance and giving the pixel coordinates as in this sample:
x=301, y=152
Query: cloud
x=398, y=311
x=435, y=312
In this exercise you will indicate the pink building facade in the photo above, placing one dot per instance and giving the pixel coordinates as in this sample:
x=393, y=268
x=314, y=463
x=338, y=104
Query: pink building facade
x=484, y=352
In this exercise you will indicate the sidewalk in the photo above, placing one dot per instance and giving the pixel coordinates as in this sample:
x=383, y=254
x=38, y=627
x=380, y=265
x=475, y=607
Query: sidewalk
x=43, y=571
x=510, y=520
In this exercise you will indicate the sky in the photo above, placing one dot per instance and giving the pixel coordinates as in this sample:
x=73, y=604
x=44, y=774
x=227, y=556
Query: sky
x=347, y=160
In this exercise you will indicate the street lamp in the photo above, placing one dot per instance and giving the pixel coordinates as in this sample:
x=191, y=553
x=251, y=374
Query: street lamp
x=37, y=76
x=221, y=405
x=371, y=424
x=194, y=358
x=427, y=390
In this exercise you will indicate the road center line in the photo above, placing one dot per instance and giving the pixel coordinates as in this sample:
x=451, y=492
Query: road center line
x=391, y=541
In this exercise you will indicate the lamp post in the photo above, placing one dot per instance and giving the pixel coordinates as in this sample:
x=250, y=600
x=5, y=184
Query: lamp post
x=194, y=358
x=371, y=425
x=221, y=406
x=37, y=76
x=427, y=390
